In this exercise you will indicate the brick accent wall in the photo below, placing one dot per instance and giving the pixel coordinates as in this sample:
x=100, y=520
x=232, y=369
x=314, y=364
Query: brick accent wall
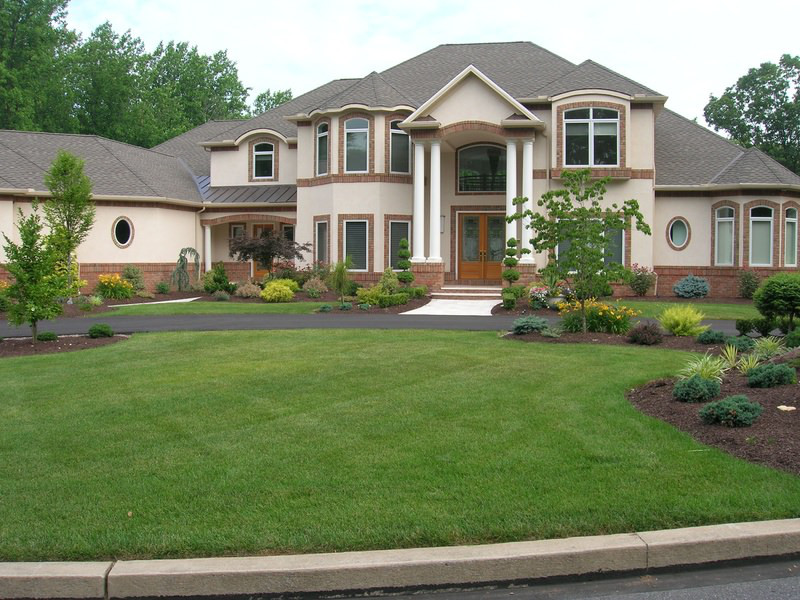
x=371, y=137
x=275, y=152
x=321, y=219
x=429, y=274
x=387, y=234
x=736, y=211
x=370, y=219
x=724, y=281
x=776, y=228
x=591, y=104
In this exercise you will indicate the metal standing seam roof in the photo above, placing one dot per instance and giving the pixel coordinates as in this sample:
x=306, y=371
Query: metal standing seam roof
x=255, y=194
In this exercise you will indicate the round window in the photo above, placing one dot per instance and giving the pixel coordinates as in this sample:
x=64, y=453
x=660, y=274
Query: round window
x=679, y=233
x=122, y=232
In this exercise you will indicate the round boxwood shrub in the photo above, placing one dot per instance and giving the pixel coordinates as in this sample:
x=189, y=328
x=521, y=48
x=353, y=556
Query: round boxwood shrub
x=733, y=411
x=691, y=287
x=695, y=389
x=646, y=334
x=99, y=330
x=277, y=291
x=325, y=308
x=792, y=339
x=710, y=336
x=46, y=336
x=771, y=375
x=741, y=343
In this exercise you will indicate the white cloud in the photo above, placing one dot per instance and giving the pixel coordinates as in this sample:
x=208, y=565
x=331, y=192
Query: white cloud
x=685, y=50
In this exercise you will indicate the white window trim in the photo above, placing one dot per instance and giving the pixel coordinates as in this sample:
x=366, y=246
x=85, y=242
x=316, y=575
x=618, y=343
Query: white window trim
x=590, y=121
x=366, y=243
x=717, y=221
x=788, y=220
x=327, y=146
x=234, y=226
x=390, y=239
x=669, y=233
x=398, y=132
x=327, y=241
x=771, y=221
x=357, y=130
x=263, y=153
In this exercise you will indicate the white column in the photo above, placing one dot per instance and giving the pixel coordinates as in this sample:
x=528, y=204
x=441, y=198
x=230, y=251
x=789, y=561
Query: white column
x=511, y=186
x=418, y=234
x=434, y=247
x=527, y=192
x=207, y=247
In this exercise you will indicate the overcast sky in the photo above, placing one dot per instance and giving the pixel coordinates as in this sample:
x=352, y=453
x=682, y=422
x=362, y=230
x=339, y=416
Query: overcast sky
x=682, y=49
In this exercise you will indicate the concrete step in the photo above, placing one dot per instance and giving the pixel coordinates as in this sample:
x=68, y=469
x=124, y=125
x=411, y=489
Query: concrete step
x=472, y=288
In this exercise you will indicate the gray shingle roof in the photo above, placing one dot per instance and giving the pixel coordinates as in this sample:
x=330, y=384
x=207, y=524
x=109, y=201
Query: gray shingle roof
x=373, y=90
x=753, y=166
x=591, y=75
x=114, y=168
x=269, y=194
x=187, y=145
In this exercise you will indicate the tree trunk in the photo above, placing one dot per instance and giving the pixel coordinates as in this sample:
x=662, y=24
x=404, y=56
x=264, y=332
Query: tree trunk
x=583, y=315
x=69, y=278
x=34, y=331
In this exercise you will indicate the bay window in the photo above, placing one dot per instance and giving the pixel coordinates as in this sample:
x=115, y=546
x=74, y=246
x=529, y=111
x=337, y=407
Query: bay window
x=356, y=133
x=761, y=236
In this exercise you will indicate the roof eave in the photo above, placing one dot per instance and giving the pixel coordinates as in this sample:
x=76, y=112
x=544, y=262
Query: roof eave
x=249, y=204
x=703, y=187
x=30, y=193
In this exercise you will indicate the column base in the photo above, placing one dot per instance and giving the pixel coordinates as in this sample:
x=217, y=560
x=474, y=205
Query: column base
x=430, y=274
x=527, y=273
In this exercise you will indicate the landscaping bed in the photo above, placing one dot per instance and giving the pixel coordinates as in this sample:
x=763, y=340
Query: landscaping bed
x=773, y=440
x=65, y=343
x=671, y=342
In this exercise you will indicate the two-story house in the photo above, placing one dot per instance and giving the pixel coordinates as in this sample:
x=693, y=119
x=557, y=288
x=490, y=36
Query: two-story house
x=433, y=150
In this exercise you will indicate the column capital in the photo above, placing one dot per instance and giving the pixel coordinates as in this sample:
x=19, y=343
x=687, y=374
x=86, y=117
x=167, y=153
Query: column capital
x=510, y=142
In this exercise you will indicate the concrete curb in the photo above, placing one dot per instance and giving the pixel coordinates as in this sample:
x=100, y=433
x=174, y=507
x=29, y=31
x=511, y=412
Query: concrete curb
x=393, y=569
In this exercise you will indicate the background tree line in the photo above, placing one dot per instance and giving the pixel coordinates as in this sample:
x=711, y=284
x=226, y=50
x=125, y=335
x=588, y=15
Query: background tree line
x=108, y=84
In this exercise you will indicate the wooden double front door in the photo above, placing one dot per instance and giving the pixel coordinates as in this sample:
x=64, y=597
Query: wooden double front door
x=481, y=245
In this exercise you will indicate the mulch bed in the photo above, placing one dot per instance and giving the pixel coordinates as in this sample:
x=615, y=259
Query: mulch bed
x=391, y=310
x=65, y=343
x=670, y=341
x=772, y=440
x=524, y=309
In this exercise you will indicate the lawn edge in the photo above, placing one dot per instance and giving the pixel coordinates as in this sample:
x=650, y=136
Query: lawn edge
x=404, y=568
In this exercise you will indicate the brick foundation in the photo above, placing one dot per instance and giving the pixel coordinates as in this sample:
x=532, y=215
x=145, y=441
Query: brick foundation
x=429, y=274
x=723, y=281
x=527, y=274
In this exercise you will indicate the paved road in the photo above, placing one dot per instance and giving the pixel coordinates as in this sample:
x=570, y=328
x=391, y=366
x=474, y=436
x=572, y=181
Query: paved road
x=779, y=580
x=78, y=325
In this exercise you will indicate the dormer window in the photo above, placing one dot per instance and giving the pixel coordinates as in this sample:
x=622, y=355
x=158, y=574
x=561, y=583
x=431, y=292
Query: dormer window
x=591, y=137
x=322, y=149
x=263, y=160
x=356, y=133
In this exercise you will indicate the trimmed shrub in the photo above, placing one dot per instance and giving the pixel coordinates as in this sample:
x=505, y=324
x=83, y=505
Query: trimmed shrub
x=221, y=296
x=646, y=334
x=748, y=283
x=695, y=389
x=741, y=343
x=162, y=287
x=691, y=287
x=114, y=287
x=744, y=326
x=518, y=291
x=346, y=306
x=46, y=336
x=248, y=290
x=134, y=276
x=289, y=283
x=551, y=332
x=733, y=411
x=792, y=339
x=325, y=308
x=145, y=294
x=528, y=324
x=277, y=291
x=779, y=296
x=99, y=330
x=509, y=300
x=315, y=287
x=641, y=279
x=387, y=300
x=710, y=336
x=769, y=376
x=682, y=321
x=364, y=306
x=419, y=291
x=764, y=326
x=389, y=282
x=405, y=276
x=217, y=279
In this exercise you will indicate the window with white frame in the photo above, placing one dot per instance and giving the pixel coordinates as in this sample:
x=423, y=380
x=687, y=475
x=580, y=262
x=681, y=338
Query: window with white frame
x=321, y=242
x=790, y=243
x=398, y=230
x=263, y=160
x=724, y=236
x=679, y=233
x=399, y=149
x=238, y=230
x=591, y=137
x=761, y=236
x=482, y=168
x=356, y=244
x=322, y=149
x=356, y=140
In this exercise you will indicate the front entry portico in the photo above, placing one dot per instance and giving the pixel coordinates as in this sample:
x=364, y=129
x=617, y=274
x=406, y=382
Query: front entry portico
x=481, y=245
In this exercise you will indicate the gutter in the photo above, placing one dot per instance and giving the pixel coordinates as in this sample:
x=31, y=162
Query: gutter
x=704, y=187
x=31, y=193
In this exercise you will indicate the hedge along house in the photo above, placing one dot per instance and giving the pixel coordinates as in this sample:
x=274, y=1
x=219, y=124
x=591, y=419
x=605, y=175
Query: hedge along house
x=433, y=150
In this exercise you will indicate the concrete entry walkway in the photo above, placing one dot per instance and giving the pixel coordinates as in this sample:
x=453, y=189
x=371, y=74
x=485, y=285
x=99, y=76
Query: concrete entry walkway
x=460, y=308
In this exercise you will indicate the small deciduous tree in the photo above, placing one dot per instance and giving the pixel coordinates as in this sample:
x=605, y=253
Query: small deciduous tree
x=340, y=277
x=36, y=285
x=264, y=249
x=70, y=212
x=575, y=214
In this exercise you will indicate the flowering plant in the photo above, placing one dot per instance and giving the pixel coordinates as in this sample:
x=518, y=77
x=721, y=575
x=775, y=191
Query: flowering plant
x=600, y=317
x=114, y=287
x=538, y=297
x=641, y=279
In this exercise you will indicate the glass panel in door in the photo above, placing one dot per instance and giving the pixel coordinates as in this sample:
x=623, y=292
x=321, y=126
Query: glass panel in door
x=470, y=239
x=496, y=233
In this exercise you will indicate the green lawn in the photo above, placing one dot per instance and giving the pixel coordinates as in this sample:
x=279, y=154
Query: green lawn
x=221, y=443
x=219, y=308
x=712, y=310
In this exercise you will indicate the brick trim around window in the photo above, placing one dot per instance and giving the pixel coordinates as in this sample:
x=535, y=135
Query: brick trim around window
x=591, y=104
x=776, y=229
x=736, y=210
x=387, y=146
x=275, y=155
x=387, y=219
x=371, y=150
x=317, y=123
x=688, y=233
x=370, y=219
x=455, y=171
x=321, y=219
x=784, y=206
